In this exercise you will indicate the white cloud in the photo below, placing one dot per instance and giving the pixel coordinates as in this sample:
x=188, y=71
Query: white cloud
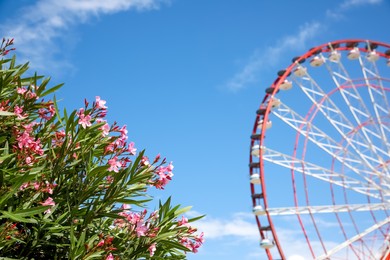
x=241, y=228
x=271, y=55
x=38, y=26
x=240, y=225
x=353, y=3
x=338, y=12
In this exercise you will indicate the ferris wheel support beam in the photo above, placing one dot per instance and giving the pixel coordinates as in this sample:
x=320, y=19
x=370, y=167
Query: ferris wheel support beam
x=355, y=103
x=354, y=239
x=326, y=143
x=334, y=115
x=327, y=209
x=319, y=172
x=380, y=111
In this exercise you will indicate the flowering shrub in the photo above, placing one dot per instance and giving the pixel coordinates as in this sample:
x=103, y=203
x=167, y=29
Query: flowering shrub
x=73, y=187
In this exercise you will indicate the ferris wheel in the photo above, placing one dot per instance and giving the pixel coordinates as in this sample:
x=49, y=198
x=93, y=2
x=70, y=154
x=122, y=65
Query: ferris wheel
x=320, y=155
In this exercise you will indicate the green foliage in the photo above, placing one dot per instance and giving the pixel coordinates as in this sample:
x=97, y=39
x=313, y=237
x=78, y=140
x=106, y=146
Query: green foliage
x=67, y=181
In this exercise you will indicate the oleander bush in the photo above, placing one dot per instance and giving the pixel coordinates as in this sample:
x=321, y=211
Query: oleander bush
x=72, y=186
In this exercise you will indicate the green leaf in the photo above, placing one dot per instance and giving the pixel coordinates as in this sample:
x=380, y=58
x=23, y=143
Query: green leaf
x=162, y=236
x=182, y=210
x=57, y=111
x=51, y=90
x=80, y=245
x=95, y=255
x=31, y=211
x=17, y=182
x=195, y=218
x=17, y=218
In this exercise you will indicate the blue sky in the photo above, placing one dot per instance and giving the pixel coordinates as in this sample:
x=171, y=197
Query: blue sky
x=186, y=77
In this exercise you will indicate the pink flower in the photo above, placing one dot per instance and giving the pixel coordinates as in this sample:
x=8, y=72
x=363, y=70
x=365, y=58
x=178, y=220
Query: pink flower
x=101, y=243
x=131, y=149
x=152, y=249
x=24, y=140
x=124, y=162
x=18, y=111
x=170, y=167
x=123, y=131
x=110, y=257
x=191, y=230
x=157, y=158
x=24, y=186
x=28, y=160
x=29, y=127
x=164, y=177
x=126, y=206
x=80, y=112
x=37, y=185
x=141, y=229
x=195, y=246
x=183, y=222
x=31, y=95
x=84, y=120
x=114, y=164
x=109, y=148
x=105, y=128
x=200, y=238
x=48, y=202
x=46, y=114
x=49, y=187
x=120, y=142
x=100, y=103
x=145, y=161
x=133, y=218
x=21, y=90
x=51, y=110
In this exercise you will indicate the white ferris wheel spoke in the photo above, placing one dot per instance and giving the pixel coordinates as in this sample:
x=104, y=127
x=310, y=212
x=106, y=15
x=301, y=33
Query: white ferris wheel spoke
x=327, y=209
x=377, y=95
x=320, y=173
x=354, y=239
x=326, y=143
x=357, y=106
x=339, y=121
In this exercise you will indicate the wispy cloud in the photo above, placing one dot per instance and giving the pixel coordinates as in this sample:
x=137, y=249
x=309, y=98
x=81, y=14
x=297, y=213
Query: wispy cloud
x=41, y=27
x=239, y=226
x=271, y=55
x=338, y=12
x=260, y=59
x=353, y=3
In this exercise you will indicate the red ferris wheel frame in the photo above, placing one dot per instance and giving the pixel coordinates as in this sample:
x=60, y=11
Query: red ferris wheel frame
x=258, y=190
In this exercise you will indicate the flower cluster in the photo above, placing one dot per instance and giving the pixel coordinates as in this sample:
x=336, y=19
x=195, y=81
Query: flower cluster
x=164, y=175
x=28, y=94
x=196, y=241
x=4, y=46
x=28, y=147
x=135, y=223
x=63, y=177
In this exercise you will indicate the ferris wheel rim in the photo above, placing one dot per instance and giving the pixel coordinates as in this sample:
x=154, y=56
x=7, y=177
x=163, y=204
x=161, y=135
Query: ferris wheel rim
x=264, y=113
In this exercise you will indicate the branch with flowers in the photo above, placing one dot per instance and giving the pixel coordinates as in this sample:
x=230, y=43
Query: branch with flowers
x=72, y=186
